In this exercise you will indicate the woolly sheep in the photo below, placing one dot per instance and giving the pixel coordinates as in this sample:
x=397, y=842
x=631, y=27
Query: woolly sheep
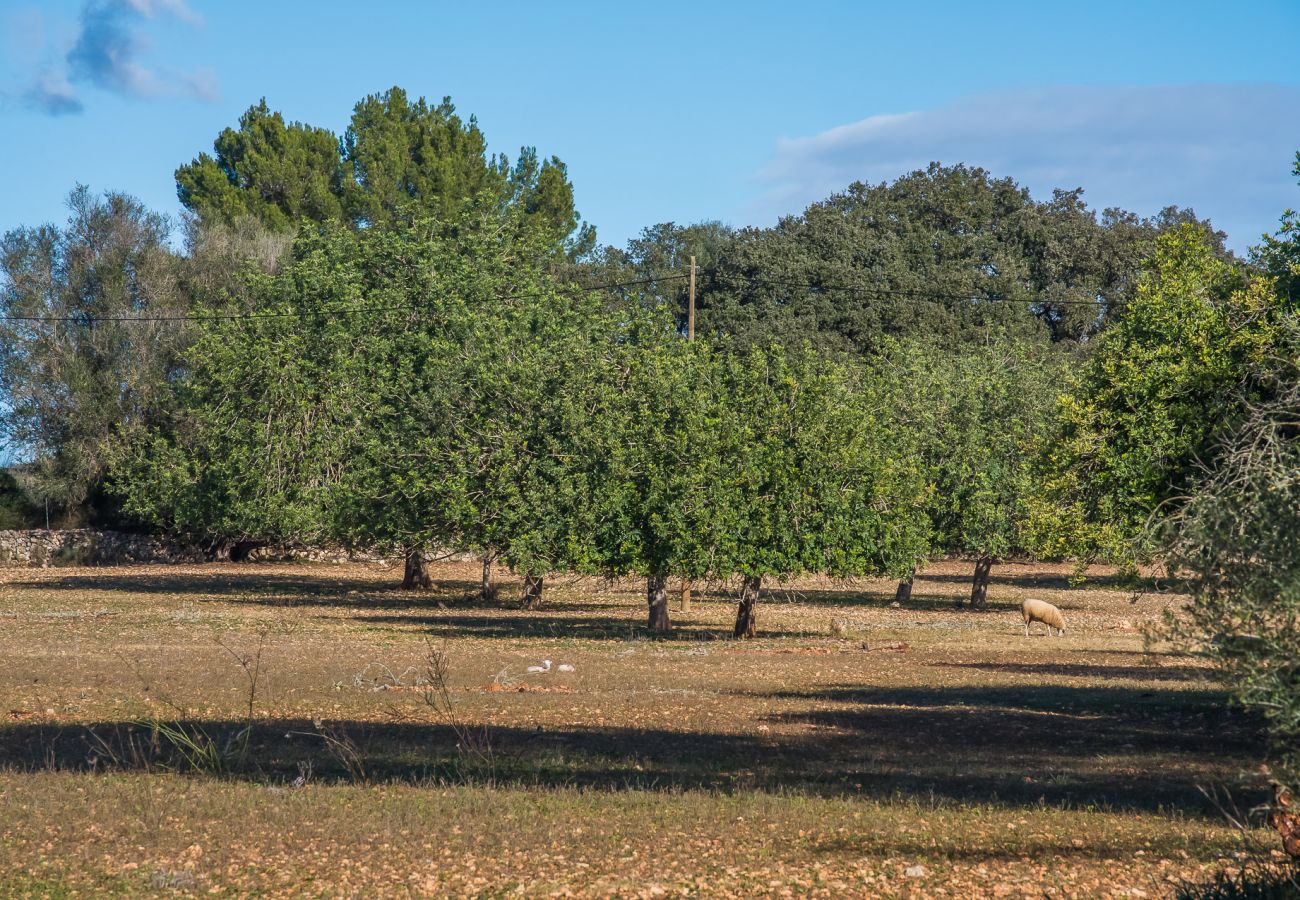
x=1042, y=611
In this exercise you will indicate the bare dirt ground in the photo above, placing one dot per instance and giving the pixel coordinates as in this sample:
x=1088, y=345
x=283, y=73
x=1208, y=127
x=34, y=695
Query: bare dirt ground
x=854, y=749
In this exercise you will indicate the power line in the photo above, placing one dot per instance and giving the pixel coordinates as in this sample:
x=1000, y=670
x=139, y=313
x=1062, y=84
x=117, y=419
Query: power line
x=917, y=293
x=339, y=310
x=910, y=292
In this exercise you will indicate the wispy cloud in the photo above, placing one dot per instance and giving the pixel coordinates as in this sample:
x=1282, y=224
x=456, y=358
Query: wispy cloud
x=109, y=53
x=52, y=94
x=178, y=8
x=1225, y=150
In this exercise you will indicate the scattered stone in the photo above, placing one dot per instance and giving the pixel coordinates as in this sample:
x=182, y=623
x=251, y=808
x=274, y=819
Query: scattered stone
x=915, y=871
x=841, y=627
x=173, y=879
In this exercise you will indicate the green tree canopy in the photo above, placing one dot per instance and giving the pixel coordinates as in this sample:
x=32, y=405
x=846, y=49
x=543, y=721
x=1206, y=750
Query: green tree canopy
x=770, y=463
x=74, y=366
x=398, y=159
x=398, y=152
x=1238, y=538
x=275, y=172
x=973, y=420
x=944, y=254
x=1144, y=413
x=1233, y=525
x=483, y=437
x=655, y=264
x=398, y=388
x=1278, y=254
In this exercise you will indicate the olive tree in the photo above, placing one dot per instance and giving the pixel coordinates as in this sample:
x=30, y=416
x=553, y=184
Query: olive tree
x=1238, y=538
x=770, y=463
x=670, y=451
x=398, y=388
x=91, y=332
x=972, y=419
x=817, y=486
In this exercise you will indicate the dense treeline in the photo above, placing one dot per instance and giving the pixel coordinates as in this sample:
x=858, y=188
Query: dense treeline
x=433, y=386
x=392, y=339
x=941, y=254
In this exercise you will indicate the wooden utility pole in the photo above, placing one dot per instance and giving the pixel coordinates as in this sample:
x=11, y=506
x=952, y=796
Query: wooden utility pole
x=690, y=336
x=690, y=306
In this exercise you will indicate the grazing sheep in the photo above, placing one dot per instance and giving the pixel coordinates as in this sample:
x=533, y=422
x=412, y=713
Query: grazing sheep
x=1042, y=611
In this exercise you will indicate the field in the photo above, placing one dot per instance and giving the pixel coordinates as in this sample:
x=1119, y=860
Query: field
x=309, y=730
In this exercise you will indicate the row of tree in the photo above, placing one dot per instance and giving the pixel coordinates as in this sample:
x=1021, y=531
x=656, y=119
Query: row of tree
x=423, y=384
x=391, y=339
x=428, y=385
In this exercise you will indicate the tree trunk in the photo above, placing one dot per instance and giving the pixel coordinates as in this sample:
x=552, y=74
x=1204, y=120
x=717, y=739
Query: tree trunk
x=488, y=591
x=656, y=593
x=745, y=612
x=242, y=551
x=415, y=577
x=904, y=592
x=532, y=591
x=686, y=595
x=979, y=588
x=235, y=550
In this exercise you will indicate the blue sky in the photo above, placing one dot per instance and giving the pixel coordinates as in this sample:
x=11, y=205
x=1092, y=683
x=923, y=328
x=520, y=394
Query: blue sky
x=684, y=111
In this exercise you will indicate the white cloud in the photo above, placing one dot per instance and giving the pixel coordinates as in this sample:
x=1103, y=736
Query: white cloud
x=52, y=95
x=1225, y=150
x=202, y=85
x=109, y=53
x=178, y=8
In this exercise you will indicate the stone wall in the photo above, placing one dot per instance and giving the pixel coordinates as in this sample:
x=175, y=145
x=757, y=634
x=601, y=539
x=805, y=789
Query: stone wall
x=88, y=547
x=97, y=547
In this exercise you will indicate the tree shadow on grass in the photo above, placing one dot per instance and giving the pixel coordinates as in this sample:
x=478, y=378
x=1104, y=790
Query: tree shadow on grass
x=1032, y=729
x=920, y=601
x=278, y=589
x=1129, y=748
x=547, y=623
x=1061, y=582
x=1111, y=748
x=1119, y=703
x=1087, y=670
x=383, y=591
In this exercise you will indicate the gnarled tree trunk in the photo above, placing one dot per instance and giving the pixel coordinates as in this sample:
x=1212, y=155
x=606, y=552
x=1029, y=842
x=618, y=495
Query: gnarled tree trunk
x=415, y=576
x=488, y=592
x=745, y=619
x=656, y=593
x=235, y=550
x=904, y=592
x=686, y=595
x=532, y=591
x=979, y=587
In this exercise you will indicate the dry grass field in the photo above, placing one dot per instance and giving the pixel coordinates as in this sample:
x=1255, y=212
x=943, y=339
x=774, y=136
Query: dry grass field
x=277, y=730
